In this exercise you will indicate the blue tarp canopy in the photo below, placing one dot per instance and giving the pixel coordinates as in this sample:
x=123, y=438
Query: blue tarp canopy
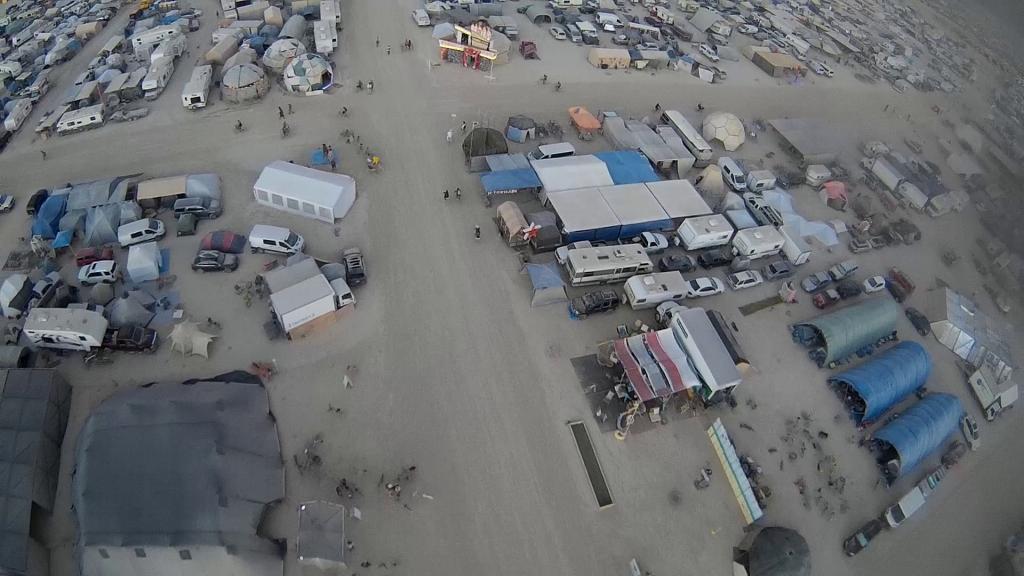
x=509, y=180
x=47, y=222
x=918, y=432
x=884, y=381
x=628, y=167
x=63, y=239
x=548, y=287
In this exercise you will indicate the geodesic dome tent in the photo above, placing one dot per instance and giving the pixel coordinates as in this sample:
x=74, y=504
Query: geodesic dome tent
x=726, y=128
x=308, y=73
x=244, y=83
x=280, y=52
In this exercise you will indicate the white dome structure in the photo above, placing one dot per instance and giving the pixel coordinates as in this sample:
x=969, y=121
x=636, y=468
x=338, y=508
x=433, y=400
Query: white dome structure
x=280, y=52
x=244, y=83
x=726, y=128
x=308, y=74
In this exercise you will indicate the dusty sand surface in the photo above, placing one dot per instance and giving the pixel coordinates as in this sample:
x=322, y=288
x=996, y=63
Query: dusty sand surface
x=456, y=374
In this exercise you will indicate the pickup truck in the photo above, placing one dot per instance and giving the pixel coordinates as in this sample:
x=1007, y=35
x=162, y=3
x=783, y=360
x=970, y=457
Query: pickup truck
x=131, y=339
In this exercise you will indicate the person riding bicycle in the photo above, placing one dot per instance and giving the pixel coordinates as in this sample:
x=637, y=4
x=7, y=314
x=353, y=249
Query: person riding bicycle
x=239, y=127
x=359, y=85
x=558, y=86
x=544, y=79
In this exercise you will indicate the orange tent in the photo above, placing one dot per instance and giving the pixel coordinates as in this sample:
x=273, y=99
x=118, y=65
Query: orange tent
x=585, y=122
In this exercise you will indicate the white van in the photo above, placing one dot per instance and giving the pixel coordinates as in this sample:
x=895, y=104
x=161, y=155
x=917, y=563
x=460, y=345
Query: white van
x=559, y=150
x=910, y=503
x=420, y=17
x=140, y=231
x=760, y=180
x=732, y=174
x=650, y=290
x=608, y=18
x=274, y=239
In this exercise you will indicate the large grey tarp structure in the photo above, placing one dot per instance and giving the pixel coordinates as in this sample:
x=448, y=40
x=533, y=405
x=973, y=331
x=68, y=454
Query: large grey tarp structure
x=176, y=467
x=203, y=186
x=918, y=432
x=96, y=193
x=321, y=539
x=816, y=141
x=101, y=224
x=778, y=551
x=143, y=262
x=884, y=381
x=128, y=311
x=34, y=406
x=844, y=332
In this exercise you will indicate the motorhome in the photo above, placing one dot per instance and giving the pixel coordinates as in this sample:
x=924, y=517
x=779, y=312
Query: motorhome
x=197, y=89
x=18, y=112
x=171, y=48
x=157, y=78
x=704, y=232
x=708, y=355
x=664, y=14
x=645, y=30
x=65, y=328
x=153, y=36
x=650, y=290
x=796, y=250
x=81, y=119
x=38, y=88
x=604, y=264
x=692, y=138
x=753, y=243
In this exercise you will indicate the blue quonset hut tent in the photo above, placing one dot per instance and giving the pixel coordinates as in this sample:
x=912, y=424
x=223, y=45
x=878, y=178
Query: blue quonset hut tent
x=884, y=381
x=908, y=440
x=836, y=336
x=47, y=222
x=628, y=166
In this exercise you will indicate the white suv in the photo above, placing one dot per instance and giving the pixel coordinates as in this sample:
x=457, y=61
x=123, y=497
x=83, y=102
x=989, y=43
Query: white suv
x=745, y=279
x=99, y=272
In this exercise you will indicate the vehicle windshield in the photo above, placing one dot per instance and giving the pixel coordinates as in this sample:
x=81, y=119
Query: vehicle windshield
x=293, y=239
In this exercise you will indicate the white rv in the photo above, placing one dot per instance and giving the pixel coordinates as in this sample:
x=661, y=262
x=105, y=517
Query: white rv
x=796, y=250
x=704, y=232
x=20, y=110
x=604, y=264
x=170, y=49
x=81, y=119
x=65, y=329
x=153, y=36
x=650, y=290
x=197, y=89
x=758, y=242
x=157, y=78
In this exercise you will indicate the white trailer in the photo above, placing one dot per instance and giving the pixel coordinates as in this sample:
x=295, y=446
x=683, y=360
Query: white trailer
x=197, y=89
x=157, y=78
x=81, y=119
x=20, y=110
x=65, y=328
x=704, y=232
x=650, y=290
x=303, y=302
x=148, y=38
x=170, y=49
x=796, y=250
x=887, y=174
x=325, y=37
x=757, y=242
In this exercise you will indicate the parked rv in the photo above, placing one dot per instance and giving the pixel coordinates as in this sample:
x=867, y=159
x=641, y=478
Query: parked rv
x=81, y=119
x=65, y=328
x=704, y=232
x=157, y=77
x=197, y=89
x=650, y=290
x=760, y=180
x=753, y=243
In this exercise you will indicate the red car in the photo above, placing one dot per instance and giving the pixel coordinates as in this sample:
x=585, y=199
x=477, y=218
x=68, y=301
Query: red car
x=87, y=256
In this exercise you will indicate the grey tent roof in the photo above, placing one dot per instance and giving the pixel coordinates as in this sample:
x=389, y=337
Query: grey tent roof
x=854, y=327
x=779, y=552
x=96, y=193
x=321, y=533
x=128, y=311
x=548, y=287
x=537, y=13
x=180, y=464
x=34, y=406
x=483, y=141
x=101, y=224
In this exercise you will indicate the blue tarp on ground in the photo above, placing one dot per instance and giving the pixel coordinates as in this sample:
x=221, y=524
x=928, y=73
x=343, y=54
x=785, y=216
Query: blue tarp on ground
x=921, y=430
x=628, y=167
x=47, y=222
x=886, y=380
x=509, y=180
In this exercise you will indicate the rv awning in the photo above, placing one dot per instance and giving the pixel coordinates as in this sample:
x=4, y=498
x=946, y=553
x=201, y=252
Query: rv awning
x=161, y=188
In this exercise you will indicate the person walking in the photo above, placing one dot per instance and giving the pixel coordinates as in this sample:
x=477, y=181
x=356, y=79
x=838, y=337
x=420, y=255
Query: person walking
x=389, y=49
x=323, y=150
x=448, y=137
x=476, y=232
x=280, y=112
x=446, y=194
x=378, y=41
x=458, y=193
x=43, y=152
x=463, y=126
x=290, y=111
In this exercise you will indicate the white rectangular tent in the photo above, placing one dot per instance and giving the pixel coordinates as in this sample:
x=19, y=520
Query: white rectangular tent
x=305, y=191
x=572, y=172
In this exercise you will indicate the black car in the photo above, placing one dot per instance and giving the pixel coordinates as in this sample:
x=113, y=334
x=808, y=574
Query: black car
x=355, y=267
x=676, y=263
x=715, y=257
x=849, y=288
x=862, y=537
x=131, y=339
x=919, y=320
x=593, y=302
x=35, y=201
x=214, y=261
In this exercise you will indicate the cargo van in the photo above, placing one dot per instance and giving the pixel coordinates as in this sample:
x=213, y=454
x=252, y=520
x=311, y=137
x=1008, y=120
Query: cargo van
x=558, y=150
x=574, y=34
x=274, y=239
x=650, y=290
x=139, y=231
x=760, y=180
x=732, y=174
x=608, y=18
x=910, y=503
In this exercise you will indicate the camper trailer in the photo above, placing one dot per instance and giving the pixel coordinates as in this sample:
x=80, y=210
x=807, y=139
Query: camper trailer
x=38, y=88
x=148, y=38
x=796, y=250
x=171, y=48
x=81, y=119
x=704, y=232
x=65, y=328
x=20, y=110
x=758, y=242
x=650, y=290
x=196, y=91
x=157, y=78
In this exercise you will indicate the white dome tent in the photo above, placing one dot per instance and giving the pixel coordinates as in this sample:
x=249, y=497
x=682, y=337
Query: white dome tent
x=726, y=128
x=281, y=52
x=308, y=74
